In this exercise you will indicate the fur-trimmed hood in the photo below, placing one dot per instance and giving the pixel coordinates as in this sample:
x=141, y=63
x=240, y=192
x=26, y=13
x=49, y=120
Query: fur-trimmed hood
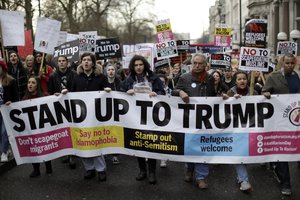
x=97, y=69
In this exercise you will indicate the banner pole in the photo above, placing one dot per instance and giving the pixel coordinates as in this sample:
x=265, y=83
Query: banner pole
x=252, y=83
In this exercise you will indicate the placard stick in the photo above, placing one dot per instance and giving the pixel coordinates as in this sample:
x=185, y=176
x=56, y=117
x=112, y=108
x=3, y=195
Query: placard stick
x=180, y=59
x=262, y=77
x=252, y=83
x=6, y=55
x=2, y=45
x=42, y=63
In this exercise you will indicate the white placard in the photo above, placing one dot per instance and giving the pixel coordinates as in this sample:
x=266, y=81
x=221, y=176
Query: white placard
x=47, y=34
x=12, y=25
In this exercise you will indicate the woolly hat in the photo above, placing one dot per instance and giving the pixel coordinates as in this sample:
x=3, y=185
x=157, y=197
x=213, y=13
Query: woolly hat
x=3, y=65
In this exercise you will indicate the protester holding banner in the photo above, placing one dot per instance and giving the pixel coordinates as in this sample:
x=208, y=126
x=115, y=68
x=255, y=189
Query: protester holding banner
x=168, y=91
x=241, y=88
x=90, y=78
x=29, y=60
x=34, y=91
x=176, y=73
x=8, y=94
x=284, y=81
x=196, y=84
x=115, y=84
x=17, y=70
x=227, y=78
x=60, y=80
x=142, y=80
x=43, y=70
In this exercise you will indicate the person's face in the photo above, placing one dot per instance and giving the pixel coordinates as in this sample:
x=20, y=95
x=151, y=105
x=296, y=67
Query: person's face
x=32, y=85
x=139, y=67
x=29, y=62
x=241, y=81
x=62, y=63
x=199, y=64
x=176, y=70
x=216, y=77
x=87, y=63
x=288, y=65
x=111, y=72
x=13, y=58
x=227, y=74
x=38, y=58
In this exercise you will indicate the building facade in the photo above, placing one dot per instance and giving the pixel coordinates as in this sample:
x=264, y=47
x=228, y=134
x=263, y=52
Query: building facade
x=282, y=16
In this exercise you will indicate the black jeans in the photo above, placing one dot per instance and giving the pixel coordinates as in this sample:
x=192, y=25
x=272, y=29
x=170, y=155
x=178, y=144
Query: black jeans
x=283, y=172
x=151, y=164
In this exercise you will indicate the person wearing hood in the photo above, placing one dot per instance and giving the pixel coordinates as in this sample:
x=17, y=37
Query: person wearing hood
x=90, y=78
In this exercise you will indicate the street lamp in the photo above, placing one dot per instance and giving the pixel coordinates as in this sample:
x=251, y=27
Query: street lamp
x=295, y=35
x=282, y=36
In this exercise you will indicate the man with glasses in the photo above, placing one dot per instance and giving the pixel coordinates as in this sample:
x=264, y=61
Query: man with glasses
x=195, y=83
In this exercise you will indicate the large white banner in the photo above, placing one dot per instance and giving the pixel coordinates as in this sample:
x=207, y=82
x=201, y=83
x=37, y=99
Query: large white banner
x=12, y=26
x=209, y=129
x=47, y=34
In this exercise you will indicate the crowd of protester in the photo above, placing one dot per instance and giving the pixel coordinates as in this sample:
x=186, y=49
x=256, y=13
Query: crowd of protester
x=37, y=77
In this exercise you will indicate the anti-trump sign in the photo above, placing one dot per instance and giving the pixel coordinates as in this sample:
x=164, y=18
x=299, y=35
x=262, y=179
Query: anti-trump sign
x=108, y=48
x=251, y=129
x=68, y=49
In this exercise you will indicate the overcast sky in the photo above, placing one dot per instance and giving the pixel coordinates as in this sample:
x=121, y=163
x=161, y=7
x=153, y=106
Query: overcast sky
x=187, y=16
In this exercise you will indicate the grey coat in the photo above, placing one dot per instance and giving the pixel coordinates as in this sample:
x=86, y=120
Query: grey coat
x=277, y=84
x=193, y=87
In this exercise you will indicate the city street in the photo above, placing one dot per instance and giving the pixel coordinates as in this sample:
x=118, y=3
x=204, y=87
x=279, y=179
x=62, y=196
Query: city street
x=69, y=184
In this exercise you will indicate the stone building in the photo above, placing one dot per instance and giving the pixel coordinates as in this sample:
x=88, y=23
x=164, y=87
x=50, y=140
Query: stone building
x=282, y=16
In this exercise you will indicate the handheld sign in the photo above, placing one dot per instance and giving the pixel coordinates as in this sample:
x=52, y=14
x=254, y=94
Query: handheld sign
x=87, y=41
x=12, y=25
x=68, y=49
x=183, y=46
x=26, y=50
x=256, y=33
x=47, y=34
x=220, y=61
x=108, y=48
x=165, y=43
x=254, y=59
x=223, y=34
x=286, y=47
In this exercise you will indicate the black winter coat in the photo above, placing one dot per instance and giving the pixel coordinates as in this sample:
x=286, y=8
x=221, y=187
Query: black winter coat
x=55, y=81
x=95, y=82
x=157, y=84
x=10, y=92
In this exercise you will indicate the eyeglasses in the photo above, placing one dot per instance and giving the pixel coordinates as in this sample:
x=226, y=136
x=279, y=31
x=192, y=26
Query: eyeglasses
x=198, y=63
